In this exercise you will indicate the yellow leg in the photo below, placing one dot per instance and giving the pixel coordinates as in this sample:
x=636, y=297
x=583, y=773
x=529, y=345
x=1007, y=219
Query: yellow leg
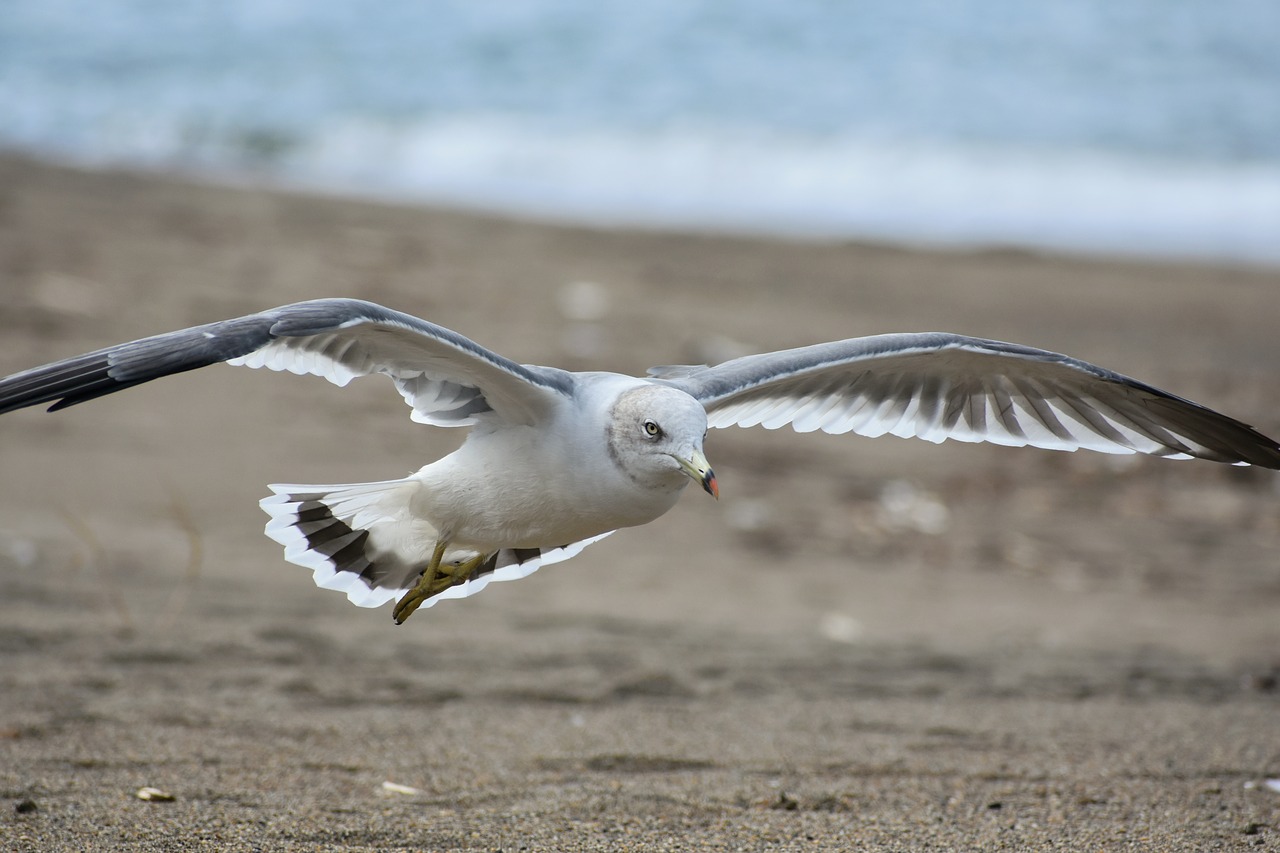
x=422, y=590
x=435, y=579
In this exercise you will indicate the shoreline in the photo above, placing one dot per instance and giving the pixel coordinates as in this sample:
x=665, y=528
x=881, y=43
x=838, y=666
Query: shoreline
x=622, y=223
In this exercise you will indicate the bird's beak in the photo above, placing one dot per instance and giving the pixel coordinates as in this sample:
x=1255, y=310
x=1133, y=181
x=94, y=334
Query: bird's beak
x=699, y=470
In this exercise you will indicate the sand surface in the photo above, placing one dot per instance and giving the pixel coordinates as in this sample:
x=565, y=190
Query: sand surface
x=866, y=644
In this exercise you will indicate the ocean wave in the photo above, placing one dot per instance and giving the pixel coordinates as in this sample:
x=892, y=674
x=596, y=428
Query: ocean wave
x=741, y=180
x=836, y=186
x=1085, y=126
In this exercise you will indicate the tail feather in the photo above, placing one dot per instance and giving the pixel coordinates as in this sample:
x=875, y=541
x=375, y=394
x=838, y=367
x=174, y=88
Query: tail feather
x=363, y=539
x=328, y=530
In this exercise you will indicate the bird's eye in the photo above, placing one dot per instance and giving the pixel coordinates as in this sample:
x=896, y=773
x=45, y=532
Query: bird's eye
x=652, y=429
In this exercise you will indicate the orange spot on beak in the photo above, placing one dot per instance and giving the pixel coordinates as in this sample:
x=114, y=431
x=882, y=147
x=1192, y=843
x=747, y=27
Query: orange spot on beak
x=709, y=483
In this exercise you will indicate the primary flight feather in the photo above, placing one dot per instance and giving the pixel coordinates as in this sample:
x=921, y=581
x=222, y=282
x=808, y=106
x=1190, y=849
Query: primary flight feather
x=556, y=460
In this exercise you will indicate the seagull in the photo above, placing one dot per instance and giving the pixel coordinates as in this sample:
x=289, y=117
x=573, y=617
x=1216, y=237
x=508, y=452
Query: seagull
x=557, y=460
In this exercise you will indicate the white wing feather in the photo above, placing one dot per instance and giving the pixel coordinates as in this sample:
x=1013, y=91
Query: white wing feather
x=938, y=387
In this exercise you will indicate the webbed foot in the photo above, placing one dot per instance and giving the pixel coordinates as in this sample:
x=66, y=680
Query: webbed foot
x=436, y=578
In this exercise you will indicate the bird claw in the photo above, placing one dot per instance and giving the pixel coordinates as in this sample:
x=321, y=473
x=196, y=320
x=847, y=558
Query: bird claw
x=406, y=606
x=421, y=591
x=435, y=580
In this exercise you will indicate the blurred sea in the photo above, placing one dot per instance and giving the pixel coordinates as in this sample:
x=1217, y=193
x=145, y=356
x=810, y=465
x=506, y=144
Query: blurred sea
x=1147, y=127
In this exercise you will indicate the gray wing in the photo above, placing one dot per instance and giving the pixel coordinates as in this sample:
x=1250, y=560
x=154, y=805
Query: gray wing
x=446, y=378
x=939, y=386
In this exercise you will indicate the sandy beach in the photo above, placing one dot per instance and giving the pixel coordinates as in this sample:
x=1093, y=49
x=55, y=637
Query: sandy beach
x=865, y=644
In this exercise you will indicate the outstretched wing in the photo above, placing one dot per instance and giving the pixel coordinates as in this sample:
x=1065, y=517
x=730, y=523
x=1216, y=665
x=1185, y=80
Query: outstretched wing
x=447, y=379
x=939, y=386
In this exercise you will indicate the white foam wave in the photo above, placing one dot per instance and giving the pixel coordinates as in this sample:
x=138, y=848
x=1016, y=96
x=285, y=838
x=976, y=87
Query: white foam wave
x=833, y=187
x=718, y=179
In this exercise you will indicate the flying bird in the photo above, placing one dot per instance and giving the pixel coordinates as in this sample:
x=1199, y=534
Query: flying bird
x=556, y=460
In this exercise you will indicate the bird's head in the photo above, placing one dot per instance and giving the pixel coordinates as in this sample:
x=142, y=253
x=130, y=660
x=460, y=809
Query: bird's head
x=655, y=435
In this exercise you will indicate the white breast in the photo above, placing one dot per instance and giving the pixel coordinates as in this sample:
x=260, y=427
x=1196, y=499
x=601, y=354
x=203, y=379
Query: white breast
x=525, y=487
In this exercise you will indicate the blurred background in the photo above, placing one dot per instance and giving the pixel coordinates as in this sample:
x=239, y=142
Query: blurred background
x=1148, y=127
